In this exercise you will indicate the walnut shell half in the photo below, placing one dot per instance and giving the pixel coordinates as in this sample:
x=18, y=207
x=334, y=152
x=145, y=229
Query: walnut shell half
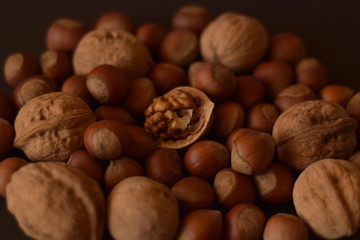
x=314, y=130
x=52, y=200
x=51, y=127
x=179, y=117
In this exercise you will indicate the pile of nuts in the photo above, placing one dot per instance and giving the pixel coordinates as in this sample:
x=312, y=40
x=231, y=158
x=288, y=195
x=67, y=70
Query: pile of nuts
x=189, y=133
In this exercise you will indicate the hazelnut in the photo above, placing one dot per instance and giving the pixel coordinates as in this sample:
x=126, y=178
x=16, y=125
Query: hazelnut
x=112, y=20
x=311, y=72
x=56, y=65
x=7, y=167
x=7, y=107
x=106, y=139
x=352, y=107
x=165, y=166
x=64, y=34
x=7, y=137
x=285, y=226
x=114, y=113
x=233, y=188
x=205, y=158
x=108, y=84
x=203, y=224
x=192, y=69
x=245, y=155
x=287, y=47
x=141, y=143
x=146, y=207
x=191, y=17
x=261, y=117
x=76, y=85
x=248, y=91
x=151, y=35
x=355, y=158
x=236, y=40
x=336, y=93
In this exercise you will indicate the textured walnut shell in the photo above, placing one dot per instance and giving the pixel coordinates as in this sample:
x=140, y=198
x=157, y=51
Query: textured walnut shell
x=52, y=200
x=236, y=40
x=51, y=127
x=140, y=208
x=327, y=196
x=314, y=130
x=115, y=47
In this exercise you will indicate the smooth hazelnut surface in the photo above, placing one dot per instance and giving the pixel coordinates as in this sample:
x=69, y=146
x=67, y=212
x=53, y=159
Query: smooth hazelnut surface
x=114, y=113
x=106, y=139
x=113, y=20
x=151, y=35
x=76, y=85
x=355, y=158
x=193, y=193
x=7, y=137
x=249, y=91
x=191, y=17
x=141, y=143
x=352, y=107
x=311, y=72
x=261, y=117
x=165, y=166
x=287, y=47
x=192, y=69
x=205, y=158
x=7, y=167
x=336, y=93
x=7, y=107
x=55, y=65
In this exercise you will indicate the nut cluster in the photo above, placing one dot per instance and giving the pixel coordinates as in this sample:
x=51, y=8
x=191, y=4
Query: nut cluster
x=202, y=131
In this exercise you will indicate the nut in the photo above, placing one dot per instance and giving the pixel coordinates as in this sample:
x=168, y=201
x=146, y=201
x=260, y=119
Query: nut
x=191, y=17
x=287, y=47
x=7, y=108
x=352, y=107
x=113, y=20
x=248, y=91
x=76, y=85
x=7, y=137
x=114, y=113
x=56, y=65
x=261, y=117
x=141, y=143
x=151, y=35
x=311, y=72
x=329, y=182
x=7, y=167
x=313, y=130
x=337, y=93
x=51, y=127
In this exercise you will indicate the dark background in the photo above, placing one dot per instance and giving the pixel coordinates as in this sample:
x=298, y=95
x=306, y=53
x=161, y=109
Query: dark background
x=330, y=30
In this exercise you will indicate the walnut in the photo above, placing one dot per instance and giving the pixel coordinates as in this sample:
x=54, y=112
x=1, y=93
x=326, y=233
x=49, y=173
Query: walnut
x=327, y=196
x=179, y=117
x=314, y=130
x=115, y=47
x=52, y=200
x=236, y=40
x=51, y=127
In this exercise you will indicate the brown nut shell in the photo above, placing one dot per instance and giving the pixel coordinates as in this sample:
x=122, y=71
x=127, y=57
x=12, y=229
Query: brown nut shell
x=51, y=127
x=52, y=200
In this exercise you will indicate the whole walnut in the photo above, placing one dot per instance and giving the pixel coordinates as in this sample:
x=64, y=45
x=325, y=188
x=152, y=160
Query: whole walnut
x=327, y=196
x=51, y=127
x=314, y=130
x=236, y=40
x=140, y=208
x=115, y=47
x=52, y=200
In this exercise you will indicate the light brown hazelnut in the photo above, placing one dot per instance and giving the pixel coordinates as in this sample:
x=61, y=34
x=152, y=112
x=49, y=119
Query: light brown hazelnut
x=111, y=20
x=151, y=35
x=311, y=72
x=7, y=108
x=248, y=91
x=141, y=143
x=7, y=167
x=146, y=207
x=287, y=47
x=191, y=17
x=76, y=85
x=236, y=40
x=105, y=112
x=261, y=117
x=56, y=65
x=336, y=93
x=7, y=137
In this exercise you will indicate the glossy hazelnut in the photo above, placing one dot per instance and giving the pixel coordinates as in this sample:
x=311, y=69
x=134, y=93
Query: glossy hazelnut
x=7, y=137
x=292, y=95
x=285, y=226
x=336, y=93
x=233, y=188
x=205, y=158
x=228, y=116
x=311, y=72
x=76, y=85
x=141, y=93
x=114, y=113
x=64, y=34
x=106, y=139
x=275, y=184
x=353, y=107
x=113, y=20
x=167, y=76
x=203, y=224
x=287, y=47
x=151, y=35
x=108, y=84
x=56, y=65
x=192, y=69
x=32, y=87
x=7, y=107
x=244, y=221
x=261, y=117
x=180, y=47
x=19, y=66
x=191, y=17
x=119, y=169
x=274, y=75
x=214, y=79
x=165, y=166
x=193, y=193
x=141, y=143
x=231, y=138
x=248, y=91
x=252, y=151
x=83, y=160
x=7, y=167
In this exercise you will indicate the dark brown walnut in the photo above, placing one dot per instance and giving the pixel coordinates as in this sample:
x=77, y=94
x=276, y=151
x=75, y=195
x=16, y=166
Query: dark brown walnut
x=314, y=130
x=115, y=47
x=51, y=127
x=52, y=200
x=179, y=117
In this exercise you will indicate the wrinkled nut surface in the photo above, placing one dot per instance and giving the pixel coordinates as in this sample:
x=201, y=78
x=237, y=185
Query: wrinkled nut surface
x=314, y=130
x=327, y=196
x=51, y=127
x=179, y=117
x=115, y=47
x=52, y=200
x=140, y=208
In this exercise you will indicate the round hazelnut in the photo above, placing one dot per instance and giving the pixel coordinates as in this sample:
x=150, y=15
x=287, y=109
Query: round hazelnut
x=151, y=35
x=355, y=158
x=106, y=139
x=248, y=91
x=261, y=117
x=113, y=20
x=192, y=69
x=7, y=167
x=191, y=17
x=7, y=107
x=114, y=113
x=336, y=93
x=352, y=107
x=311, y=72
x=141, y=143
x=7, y=137
x=236, y=40
x=287, y=47
x=76, y=85
x=55, y=65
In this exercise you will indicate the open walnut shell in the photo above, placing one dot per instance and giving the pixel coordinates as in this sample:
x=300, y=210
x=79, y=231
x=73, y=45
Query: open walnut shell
x=314, y=130
x=179, y=117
